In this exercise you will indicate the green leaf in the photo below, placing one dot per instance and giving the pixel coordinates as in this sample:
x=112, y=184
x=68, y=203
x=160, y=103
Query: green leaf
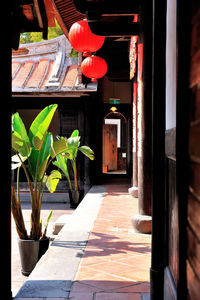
x=46, y=147
x=32, y=161
x=73, y=144
x=87, y=151
x=60, y=146
x=20, y=139
x=49, y=216
x=43, y=156
x=61, y=163
x=17, y=142
x=40, y=125
x=53, y=180
x=75, y=133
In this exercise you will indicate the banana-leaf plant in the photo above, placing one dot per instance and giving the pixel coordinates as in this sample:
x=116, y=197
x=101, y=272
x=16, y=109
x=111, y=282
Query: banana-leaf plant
x=34, y=152
x=73, y=146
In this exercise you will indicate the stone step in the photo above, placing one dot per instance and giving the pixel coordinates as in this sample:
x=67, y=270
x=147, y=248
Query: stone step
x=60, y=222
x=55, y=271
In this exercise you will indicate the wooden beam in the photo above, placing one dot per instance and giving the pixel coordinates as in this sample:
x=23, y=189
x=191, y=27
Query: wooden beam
x=109, y=7
x=119, y=27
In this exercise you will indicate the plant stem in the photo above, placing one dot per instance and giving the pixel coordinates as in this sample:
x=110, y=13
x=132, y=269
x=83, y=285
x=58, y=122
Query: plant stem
x=75, y=174
x=36, y=176
x=40, y=194
x=28, y=179
x=18, y=183
x=17, y=215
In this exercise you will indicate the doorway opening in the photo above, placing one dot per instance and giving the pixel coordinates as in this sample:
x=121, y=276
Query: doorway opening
x=114, y=160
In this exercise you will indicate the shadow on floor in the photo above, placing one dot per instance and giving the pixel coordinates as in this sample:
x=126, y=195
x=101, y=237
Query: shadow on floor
x=112, y=289
x=104, y=245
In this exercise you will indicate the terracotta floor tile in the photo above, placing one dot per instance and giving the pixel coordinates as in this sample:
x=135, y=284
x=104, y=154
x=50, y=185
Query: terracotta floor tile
x=81, y=296
x=80, y=287
x=101, y=252
x=116, y=258
x=113, y=268
x=119, y=255
x=85, y=273
x=107, y=282
x=118, y=296
x=90, y=259
x=142, y=261
x=136, y=288
x=137, y=275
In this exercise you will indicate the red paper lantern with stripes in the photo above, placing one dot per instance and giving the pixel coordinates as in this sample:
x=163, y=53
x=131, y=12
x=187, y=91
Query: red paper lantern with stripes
x=94, y=67
x=83, y=40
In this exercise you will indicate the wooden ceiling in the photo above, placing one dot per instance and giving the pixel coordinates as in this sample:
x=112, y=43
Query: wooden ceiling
x=68, y=12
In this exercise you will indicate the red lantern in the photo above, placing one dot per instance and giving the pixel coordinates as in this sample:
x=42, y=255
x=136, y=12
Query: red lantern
x=83, y=40
x=94, y=67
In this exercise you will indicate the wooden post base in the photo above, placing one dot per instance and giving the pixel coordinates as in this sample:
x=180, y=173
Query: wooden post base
x=133, y=191
x=142, y=223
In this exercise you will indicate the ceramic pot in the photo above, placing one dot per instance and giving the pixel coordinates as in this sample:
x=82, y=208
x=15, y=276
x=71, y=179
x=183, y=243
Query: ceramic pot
x=43, y=246
x=75, y=197
x=28, y=250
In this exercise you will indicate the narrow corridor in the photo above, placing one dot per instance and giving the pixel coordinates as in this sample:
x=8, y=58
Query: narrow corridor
x=116, y=261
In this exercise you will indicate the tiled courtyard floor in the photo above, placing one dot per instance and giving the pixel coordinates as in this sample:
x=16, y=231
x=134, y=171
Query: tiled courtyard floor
x=116, y=262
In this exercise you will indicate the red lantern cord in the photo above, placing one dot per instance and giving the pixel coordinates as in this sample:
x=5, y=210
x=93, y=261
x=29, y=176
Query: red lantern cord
x=94, y=67
x=83, y=40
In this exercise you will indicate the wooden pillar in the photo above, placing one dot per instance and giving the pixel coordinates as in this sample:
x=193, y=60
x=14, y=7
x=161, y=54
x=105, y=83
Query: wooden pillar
x=133, y=191
x=158, y=151
x=143, y=221
x=5, y=164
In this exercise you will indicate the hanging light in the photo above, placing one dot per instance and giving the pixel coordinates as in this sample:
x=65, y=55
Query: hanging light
x=83, y=40
x=94, y=67
x=113, y=108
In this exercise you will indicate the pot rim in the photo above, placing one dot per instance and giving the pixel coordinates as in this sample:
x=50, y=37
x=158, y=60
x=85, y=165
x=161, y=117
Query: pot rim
x=27, y=240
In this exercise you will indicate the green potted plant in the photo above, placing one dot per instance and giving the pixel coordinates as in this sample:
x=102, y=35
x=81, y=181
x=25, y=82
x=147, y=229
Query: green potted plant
x=38, y=150
x=73, y=146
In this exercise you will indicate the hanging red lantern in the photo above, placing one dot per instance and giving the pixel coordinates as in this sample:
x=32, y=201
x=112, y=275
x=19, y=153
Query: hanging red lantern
x=83, y=40
x=94, y=67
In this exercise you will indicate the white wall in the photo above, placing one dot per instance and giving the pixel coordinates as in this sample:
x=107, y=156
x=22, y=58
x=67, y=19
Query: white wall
x=171, y=65
x=116, y=122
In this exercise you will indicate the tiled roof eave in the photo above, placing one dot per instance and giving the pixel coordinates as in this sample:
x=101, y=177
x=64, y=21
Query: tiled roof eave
x=46, y=67
x=59, y=92
x=52, y=94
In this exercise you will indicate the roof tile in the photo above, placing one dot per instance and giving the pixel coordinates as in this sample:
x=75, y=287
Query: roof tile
x=38, y=74
x=22, y=74
x=45, y=67
x=71, y=76
x=47, y=74
x=15, y=65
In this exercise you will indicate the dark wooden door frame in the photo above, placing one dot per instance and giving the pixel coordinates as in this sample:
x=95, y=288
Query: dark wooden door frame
x=158, y=150
x=160, y=220
x=182, y=136
x=125, y=110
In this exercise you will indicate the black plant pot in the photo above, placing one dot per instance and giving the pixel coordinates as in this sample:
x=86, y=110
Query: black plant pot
x=28, y=250
x=75, y=197
x=43, y=246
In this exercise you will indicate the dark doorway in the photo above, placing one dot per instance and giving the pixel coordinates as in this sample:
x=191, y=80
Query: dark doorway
x=114, y=148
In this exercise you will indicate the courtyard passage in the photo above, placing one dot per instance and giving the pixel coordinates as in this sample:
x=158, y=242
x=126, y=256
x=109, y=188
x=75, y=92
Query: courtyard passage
x=116, y=262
